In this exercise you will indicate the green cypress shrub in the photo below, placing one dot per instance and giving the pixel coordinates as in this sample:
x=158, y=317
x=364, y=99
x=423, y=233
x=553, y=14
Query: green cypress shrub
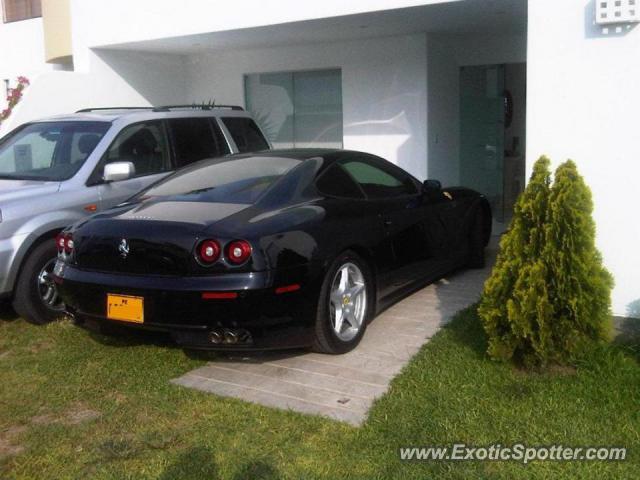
x=548, y=292
x=580, y=286
x=514, y=305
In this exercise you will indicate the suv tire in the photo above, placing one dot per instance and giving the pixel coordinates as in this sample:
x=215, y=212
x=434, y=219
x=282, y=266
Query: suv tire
x=28, y=300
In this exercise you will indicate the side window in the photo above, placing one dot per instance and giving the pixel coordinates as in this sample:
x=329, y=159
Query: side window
x=144, y=145
x=377, y=181
x=82, y=144
x=336, y=182
x=221, y=141
x=194, y=140
x=245, y=134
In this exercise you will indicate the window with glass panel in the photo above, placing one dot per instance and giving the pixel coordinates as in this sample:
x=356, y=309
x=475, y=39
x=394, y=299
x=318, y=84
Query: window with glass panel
x=297, y=109
x=379, y=181
x=16, y=10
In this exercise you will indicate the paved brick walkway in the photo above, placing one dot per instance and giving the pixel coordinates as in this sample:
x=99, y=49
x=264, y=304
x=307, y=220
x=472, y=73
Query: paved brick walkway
x=343, y=387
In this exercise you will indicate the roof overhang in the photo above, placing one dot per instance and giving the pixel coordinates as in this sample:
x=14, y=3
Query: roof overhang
x=455, y=18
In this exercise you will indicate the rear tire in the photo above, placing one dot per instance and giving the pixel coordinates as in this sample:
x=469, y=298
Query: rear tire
x=34, y=282
x=351, y=307
x=477, y=241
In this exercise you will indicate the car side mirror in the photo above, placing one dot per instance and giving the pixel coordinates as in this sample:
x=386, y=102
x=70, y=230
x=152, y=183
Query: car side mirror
x=430, y=187
x=116, y=171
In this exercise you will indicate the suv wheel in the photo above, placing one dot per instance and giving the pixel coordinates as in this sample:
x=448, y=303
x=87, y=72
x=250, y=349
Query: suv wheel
x=36, y=296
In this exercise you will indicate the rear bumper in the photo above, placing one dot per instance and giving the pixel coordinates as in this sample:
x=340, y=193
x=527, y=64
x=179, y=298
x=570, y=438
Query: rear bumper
x=258, y=316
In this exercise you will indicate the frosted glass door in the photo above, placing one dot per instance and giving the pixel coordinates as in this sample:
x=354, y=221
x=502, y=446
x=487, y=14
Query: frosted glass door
x=482, y=133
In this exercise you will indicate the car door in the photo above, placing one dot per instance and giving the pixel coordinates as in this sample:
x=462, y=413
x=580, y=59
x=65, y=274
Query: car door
x=146, y=146
x=401, y=211
x=443, y=229
x=451, y=208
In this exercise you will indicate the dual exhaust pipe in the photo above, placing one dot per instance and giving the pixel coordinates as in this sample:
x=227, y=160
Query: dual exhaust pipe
x=228, y=336
x=219, y=336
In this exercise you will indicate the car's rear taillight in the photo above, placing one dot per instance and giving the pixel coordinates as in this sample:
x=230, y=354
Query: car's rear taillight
x=60, y=242
x=238, y=252
x=64, y=243
x=68, y=244
x=208, y=251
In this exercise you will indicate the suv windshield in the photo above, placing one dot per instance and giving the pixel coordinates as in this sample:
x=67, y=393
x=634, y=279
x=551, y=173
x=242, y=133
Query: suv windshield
x=230, y=180
x=51, y=151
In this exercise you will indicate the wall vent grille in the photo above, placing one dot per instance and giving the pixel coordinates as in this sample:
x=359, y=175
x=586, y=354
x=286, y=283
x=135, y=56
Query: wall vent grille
x=617, y=11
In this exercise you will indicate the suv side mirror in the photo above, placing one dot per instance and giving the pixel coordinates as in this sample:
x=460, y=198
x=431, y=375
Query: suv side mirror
x=116, y=171
x=431, y=187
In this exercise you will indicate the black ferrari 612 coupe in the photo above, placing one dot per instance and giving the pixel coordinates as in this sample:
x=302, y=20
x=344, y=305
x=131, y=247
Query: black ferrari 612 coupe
x=267, y=250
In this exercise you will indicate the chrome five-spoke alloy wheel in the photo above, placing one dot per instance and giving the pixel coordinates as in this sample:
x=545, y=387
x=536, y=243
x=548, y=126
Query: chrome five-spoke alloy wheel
x=47, y=287
x=348, y=301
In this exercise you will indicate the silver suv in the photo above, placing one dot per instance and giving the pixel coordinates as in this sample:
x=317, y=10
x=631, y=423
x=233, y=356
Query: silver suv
x=55, y=171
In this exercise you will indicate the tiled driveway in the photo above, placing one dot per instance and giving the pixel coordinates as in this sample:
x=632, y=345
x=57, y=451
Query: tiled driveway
x=343, y=387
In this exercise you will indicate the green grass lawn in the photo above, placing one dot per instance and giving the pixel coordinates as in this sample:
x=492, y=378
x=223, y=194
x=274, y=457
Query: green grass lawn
x=78, y=405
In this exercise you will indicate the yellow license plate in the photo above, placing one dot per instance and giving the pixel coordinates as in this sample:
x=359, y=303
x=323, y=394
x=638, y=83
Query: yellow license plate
x=125, y=308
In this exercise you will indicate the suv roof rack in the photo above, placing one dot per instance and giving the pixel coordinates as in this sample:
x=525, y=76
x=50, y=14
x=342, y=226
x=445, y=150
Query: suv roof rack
x=99, y=109
x=195, y=106
x=164, y=108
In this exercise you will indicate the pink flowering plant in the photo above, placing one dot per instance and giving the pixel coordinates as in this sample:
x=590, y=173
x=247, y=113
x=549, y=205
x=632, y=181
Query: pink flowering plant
x=13, y=97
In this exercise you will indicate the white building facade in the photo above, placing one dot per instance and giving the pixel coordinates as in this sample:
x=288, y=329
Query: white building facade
x=421, y=83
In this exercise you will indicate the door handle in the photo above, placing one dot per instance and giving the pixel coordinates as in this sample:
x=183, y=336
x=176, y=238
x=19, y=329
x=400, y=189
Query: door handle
x=387, y=222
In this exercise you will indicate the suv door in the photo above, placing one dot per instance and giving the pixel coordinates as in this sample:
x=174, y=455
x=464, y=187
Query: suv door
x=146, y=146
x=195, y=139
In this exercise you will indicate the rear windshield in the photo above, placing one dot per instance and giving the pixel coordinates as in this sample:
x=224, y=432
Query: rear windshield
x=49, y=151
x=226, y=180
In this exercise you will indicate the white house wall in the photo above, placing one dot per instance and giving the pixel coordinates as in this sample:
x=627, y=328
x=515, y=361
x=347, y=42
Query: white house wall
x=136, y=78
x=384, y=85
x=116, y=78
x=21, y=52
x=446, y=54
x=444, y=112
x=583, y=104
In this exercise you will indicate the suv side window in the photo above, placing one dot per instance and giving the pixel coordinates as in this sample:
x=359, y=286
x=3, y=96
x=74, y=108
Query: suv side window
x=377, y=180
x=143, y=144
x=194, y=139
x=245, y=134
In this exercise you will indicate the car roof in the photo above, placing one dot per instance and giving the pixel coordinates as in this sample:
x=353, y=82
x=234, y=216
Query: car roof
x=328, y=154
x=134, y=114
